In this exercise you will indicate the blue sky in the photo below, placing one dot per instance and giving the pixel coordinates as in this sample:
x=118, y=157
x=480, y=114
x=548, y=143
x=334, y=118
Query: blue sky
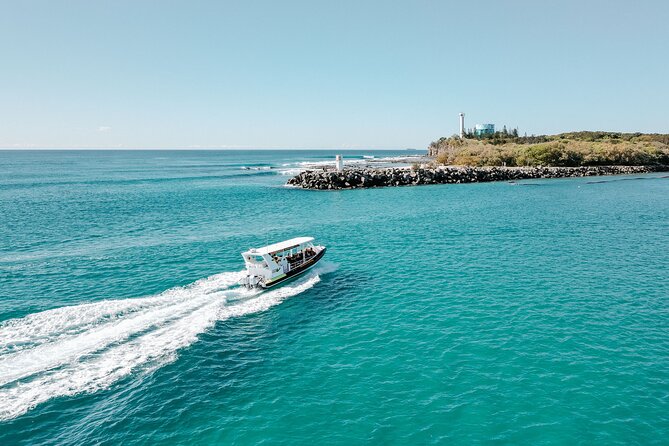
x=302, y=74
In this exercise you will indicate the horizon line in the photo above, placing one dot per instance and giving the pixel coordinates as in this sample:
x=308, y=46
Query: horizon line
x=201, y=148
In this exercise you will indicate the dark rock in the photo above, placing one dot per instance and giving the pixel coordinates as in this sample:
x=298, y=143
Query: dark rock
x=367, y=177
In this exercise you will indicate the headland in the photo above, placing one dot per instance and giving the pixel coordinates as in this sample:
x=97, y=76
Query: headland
x=505, y=156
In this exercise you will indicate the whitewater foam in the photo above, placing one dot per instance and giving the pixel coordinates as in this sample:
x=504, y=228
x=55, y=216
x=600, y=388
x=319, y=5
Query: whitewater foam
x=88, y=347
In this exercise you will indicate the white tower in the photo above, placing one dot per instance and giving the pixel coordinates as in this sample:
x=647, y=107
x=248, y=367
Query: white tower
x=462, y=125
x=339, y=162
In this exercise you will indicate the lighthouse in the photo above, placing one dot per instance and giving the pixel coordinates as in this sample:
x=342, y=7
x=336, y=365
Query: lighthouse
x=339, y=163
x=462, y=125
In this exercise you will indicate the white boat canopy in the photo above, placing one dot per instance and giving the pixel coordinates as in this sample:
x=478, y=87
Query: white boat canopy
x=281, y=246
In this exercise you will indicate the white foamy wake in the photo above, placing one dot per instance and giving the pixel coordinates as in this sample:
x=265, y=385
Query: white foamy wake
x=85, y=348
x=291, y=172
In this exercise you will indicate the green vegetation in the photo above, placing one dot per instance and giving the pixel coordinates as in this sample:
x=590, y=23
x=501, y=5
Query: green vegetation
x=565, y=149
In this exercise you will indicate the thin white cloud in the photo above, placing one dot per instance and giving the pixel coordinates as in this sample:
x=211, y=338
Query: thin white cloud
x=104, y=128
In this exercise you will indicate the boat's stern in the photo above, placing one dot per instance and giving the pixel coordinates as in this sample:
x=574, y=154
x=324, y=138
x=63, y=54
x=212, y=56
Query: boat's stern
x=258, y=269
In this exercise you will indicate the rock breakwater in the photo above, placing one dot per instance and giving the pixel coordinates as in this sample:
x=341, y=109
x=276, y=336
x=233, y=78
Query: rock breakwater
x=364, y=178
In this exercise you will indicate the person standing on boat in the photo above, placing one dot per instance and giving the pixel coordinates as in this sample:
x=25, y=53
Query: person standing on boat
x=284, y=265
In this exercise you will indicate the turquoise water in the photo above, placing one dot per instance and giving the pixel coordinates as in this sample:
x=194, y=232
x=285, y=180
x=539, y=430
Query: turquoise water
x=534, y=313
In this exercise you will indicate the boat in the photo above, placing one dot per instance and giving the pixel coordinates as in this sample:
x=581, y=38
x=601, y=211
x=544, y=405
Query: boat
x=271, y=265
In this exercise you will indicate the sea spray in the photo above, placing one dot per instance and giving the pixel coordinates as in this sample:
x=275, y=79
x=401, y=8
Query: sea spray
x=49, y=325
x=86, y=348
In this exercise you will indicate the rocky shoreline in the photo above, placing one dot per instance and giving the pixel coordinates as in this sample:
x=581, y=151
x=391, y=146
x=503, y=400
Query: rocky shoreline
x=369, y=177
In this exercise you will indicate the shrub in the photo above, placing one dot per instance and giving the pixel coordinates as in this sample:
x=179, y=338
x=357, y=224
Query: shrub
x=611, y=149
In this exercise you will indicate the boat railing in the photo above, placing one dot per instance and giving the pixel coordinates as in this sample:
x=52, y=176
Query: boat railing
x=297, y=263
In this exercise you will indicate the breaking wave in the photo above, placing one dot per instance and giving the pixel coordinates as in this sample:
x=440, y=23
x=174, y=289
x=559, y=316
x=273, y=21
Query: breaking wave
x=86, y=348
x=256, y=167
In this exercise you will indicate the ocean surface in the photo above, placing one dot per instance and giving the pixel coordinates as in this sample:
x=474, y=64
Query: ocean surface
x=496, y=313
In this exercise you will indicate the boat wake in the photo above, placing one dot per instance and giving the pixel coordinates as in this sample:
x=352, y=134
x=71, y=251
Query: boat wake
x=86, y=348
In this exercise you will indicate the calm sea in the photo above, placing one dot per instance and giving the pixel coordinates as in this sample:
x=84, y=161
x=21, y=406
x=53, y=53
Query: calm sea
x=528, y=313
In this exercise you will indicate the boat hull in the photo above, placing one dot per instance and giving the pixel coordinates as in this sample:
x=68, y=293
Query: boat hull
x=296, y=272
